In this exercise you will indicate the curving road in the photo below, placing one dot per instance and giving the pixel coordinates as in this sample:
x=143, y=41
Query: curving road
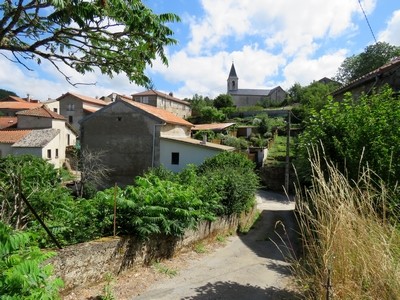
x=250, y=266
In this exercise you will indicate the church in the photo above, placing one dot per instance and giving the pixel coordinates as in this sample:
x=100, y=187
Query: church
x=253, y=97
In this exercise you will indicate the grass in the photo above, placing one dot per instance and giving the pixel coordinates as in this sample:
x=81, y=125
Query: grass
x=221, y=239
x=161, y=268
x=277, y=152
x=346, y=242
x=250, y=225
x=200, y=248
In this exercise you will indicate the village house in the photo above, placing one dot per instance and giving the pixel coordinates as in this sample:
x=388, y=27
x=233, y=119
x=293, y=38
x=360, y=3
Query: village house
x=75, y=107
x=388, y=74
x=252, y=97
x=133, y=137
x=10, y=105
x=164, y=101
x=40, y=132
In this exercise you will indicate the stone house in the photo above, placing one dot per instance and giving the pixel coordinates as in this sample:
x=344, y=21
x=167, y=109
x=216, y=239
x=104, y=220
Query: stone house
x=387, y=74
x=133, y=137
x=40, y=132
x=252, y=97
x=164, y=101
x=75, y=107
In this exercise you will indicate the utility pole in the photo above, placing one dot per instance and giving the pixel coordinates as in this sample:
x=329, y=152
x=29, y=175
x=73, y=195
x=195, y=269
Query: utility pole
x=287, y=166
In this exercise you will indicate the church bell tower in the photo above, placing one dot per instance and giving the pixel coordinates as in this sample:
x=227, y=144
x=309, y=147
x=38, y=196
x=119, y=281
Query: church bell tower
x=233, y=80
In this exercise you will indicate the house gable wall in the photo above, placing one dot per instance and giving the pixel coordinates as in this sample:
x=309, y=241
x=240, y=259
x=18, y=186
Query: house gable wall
x=172, y=130
x=71, y=106
x=127, y=136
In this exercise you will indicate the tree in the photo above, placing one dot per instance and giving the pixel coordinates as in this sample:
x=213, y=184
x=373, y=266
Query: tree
x=197, y=103
x=373, y=57
x=355, y=134
x=223, y=101
x=114, y=36
x=36, y=179
x=94, y=172
x=5, y=93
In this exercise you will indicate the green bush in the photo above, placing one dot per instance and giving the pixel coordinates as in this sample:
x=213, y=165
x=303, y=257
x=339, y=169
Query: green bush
x=153, y=206
x=231, y=176
x=356, y=134
x=22, y=273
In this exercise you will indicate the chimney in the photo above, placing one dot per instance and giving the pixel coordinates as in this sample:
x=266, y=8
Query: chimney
x=28, y=97
x=171, y=94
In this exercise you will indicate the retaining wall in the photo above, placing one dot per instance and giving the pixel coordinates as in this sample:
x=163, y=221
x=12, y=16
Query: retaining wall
x=87, y=263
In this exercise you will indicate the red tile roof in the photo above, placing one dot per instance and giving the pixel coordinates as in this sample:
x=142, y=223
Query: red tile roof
x=213, y=126
x=166, y=96
x=6, y=122
x=83, y=98
x=90, y=109
x=11, y=136
x=18, y=105
x=162, y=114
x=43, y=112
x=12, y=99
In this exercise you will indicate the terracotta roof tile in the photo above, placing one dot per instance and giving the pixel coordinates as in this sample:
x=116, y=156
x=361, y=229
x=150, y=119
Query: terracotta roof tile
x=18, y=105
x=89, y=108
x=42, y=111
x=6, y=122
x=199, y=143
x=83, y=98
x=12, y=99
x=162, y=114
x=166, y=96
x=11, y=136
x=213, y=126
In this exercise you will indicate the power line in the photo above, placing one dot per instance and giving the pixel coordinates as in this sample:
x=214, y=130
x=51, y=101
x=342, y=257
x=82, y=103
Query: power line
x=366, y=18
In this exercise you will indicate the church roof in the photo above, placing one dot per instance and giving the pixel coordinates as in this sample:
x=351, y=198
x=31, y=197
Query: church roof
x=252, y=92
x=232, y=73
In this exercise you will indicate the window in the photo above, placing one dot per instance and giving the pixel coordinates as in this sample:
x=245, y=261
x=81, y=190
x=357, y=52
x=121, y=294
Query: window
x=145, y=99
x=71, y=107
x=56, y=153
x=68, y=139
x=48, y=153
x=70, y=119
x=175, y=158
x=55, y=110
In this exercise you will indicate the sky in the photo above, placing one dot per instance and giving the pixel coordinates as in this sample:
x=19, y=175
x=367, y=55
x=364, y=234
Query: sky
x=270, y=42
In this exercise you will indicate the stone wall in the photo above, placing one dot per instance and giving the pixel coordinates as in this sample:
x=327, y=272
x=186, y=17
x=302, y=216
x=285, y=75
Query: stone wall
x=87, y=263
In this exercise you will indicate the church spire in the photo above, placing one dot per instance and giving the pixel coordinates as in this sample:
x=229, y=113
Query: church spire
x=233, y=80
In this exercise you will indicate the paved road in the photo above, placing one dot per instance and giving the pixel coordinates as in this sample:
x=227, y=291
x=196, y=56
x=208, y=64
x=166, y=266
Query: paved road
x=250, y=266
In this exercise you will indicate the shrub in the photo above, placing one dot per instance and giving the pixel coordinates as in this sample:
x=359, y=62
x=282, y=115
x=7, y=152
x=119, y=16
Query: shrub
x=23, y=274
x=153, y=206
x=231, y=176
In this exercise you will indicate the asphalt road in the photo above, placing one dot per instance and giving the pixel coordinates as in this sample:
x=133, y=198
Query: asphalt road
x=250, y=266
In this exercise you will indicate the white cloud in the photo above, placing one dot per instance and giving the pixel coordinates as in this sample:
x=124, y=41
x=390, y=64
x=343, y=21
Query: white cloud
x=391, y=33
x=290, y=24
x=304, y=70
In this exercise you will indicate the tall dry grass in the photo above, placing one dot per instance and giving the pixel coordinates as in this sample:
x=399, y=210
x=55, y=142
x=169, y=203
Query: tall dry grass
x=351, y=250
